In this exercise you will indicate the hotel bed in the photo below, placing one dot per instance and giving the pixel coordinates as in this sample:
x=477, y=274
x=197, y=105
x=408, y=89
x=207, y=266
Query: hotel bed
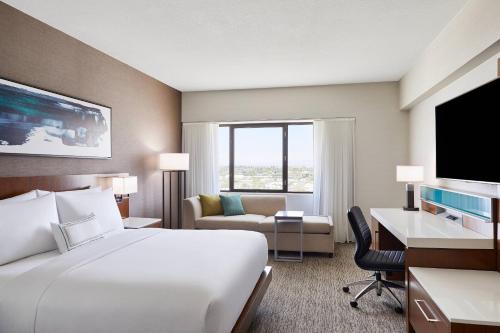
x=145, y=280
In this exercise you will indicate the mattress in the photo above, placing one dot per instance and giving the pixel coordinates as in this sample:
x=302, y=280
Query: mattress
x=146, y=280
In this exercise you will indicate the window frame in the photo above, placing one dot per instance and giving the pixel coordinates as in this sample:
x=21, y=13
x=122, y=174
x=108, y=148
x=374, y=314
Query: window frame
x=284, y=139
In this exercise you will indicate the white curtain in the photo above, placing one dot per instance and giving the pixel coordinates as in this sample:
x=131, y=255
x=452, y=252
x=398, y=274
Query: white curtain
x=334, y=173
x=200, y=141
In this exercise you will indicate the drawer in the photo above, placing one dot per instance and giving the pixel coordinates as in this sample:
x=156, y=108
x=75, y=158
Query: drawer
x=423, y=313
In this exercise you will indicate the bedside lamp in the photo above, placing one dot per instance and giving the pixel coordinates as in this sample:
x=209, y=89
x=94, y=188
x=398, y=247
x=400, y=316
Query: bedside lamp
x=178, y=163
x=124, y=186
x=410, y=174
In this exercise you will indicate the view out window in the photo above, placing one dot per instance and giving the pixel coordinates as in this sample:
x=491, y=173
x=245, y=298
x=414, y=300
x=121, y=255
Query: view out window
x=258, y=158
x=300, y=158
x=266, y=157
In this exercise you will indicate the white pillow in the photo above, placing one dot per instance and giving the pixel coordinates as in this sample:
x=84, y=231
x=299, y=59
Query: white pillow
x=19, y=198
x=41, y=193
x=76, y=233
x=77, y=204
x=25, y=228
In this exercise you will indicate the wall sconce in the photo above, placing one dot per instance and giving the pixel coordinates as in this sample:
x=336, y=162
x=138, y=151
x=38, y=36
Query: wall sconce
x=124, y=186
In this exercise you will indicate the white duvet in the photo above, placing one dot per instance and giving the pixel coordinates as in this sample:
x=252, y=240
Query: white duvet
x=146, y=280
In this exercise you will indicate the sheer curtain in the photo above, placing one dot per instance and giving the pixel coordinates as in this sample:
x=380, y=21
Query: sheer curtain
x=334, y=173
x=200, y=141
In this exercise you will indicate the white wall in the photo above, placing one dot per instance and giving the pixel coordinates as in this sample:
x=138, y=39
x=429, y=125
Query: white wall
x=381, y=129
x=422, y=126
x=475, y=28
x=462, y=57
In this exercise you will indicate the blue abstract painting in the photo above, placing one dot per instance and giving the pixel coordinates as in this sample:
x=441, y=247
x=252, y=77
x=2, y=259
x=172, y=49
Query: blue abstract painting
x=39, y=122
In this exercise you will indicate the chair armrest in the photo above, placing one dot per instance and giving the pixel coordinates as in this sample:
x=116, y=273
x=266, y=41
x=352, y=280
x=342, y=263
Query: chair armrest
x=191, y=211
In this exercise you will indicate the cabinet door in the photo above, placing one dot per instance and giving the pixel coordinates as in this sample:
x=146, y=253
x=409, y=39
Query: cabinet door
x=423, y=313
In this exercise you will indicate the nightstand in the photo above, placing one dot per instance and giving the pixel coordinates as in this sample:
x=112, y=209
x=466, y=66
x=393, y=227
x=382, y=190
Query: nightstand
x=141, y=222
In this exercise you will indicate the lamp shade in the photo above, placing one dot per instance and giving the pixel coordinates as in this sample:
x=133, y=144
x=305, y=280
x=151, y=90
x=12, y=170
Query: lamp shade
x=174, y=161
x=124, y=185
x=410, y=173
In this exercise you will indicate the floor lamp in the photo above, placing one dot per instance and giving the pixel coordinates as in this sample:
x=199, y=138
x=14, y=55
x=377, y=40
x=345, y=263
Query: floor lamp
x=178, y=163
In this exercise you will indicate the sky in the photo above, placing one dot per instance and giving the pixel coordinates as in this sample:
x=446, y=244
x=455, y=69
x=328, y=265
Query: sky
x=263, y=146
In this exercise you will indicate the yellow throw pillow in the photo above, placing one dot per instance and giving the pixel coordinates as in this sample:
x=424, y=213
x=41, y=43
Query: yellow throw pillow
x=210, y=205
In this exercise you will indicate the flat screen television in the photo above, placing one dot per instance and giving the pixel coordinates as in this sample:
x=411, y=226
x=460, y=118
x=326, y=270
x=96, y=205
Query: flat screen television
x=468, y=135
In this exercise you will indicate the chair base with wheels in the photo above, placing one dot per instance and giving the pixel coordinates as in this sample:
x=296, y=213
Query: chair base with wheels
x=373, y=260
x=376, y=282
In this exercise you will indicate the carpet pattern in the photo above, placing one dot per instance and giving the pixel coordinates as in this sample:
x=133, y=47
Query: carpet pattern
x=308, y=297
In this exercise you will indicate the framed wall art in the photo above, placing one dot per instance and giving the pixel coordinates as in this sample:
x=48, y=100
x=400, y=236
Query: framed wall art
x=39, y=122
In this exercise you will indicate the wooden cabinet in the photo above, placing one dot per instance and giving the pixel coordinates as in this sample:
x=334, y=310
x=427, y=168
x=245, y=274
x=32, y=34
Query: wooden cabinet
x=425, y=250
x=424, y=315
x=375, y=239
x=382, y=239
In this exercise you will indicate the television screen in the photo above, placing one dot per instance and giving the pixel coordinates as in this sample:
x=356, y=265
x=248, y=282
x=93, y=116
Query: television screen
x=468, y=135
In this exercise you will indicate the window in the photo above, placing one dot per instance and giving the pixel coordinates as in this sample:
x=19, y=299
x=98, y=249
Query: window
x=258, y=158
x=267, y=157
x=300, y=158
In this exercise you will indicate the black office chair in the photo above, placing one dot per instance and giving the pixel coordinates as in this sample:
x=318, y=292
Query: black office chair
x=372, y=260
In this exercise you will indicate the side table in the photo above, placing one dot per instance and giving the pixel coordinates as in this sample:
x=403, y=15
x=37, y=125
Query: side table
x=289, y=216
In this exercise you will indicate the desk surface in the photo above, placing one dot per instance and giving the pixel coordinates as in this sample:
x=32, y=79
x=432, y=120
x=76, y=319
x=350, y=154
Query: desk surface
x=464, y=296
x=425, y=230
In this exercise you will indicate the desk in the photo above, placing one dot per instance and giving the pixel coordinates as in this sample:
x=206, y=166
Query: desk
x=433, y=242
x=424, y=230
x=454, y=300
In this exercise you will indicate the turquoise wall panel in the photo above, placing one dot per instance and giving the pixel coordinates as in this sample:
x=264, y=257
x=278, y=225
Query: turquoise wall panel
x=471, y=204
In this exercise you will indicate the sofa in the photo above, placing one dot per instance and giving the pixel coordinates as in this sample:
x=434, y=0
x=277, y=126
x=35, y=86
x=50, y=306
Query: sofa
x=260, y=211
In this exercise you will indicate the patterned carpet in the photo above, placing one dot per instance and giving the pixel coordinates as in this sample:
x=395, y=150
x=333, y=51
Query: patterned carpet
x=308, y=297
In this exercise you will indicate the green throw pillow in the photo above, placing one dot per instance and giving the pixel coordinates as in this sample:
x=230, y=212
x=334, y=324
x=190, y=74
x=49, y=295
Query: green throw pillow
x=232, y=205
x=210, y=205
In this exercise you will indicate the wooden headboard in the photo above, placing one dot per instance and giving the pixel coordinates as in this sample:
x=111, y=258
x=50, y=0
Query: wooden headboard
x=12, y=186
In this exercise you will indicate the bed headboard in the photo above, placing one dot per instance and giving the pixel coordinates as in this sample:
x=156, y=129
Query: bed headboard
x=11, y=186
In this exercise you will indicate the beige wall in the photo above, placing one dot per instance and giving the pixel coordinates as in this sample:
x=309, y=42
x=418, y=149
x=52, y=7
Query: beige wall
x=145, y=116
x=422, y=130
x=475, y=28
x=381, y=129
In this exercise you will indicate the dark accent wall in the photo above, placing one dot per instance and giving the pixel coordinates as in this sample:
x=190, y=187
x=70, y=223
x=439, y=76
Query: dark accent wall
x=145, y=117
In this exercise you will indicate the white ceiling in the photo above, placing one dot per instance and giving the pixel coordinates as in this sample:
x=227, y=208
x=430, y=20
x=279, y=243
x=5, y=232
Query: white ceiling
x=232, y=44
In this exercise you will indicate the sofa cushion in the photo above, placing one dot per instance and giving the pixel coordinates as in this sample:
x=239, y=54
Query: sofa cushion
x=231, y=204
x=210, y=205
x=236, y=222
x=263, y=204
x=312, y=225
